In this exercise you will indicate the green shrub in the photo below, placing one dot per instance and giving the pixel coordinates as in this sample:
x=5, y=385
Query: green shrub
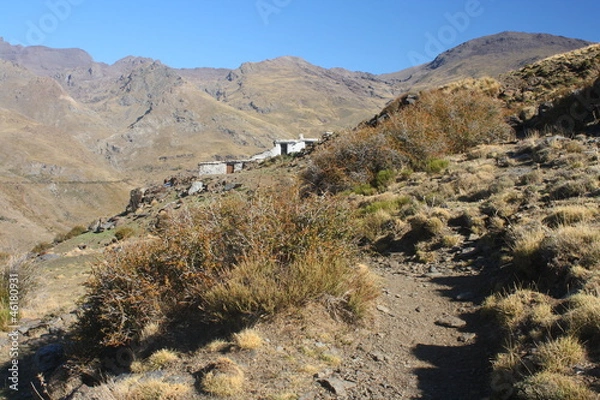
x=74, y=232
x=230, y=262
x=41, y=247
x=436, y=165
x=124, y=232
x=383, y=179
x=365, y=189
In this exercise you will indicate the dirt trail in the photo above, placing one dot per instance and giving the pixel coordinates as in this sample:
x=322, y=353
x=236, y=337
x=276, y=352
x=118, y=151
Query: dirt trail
x=428, y=341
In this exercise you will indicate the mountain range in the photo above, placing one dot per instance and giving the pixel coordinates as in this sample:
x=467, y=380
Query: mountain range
x=78, y=134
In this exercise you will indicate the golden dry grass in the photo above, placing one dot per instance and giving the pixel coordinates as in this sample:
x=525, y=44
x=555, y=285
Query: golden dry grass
x=569, y=215
x=525, y=246
x=553, y=386
x=521, y=306
x=224, y=378
x=583, y=316
x=137, y=388
x=560, y=355
x=217, y=346
x=247, y=339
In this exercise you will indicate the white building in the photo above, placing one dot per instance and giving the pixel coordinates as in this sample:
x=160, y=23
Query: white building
x=220, y=167
x=284, y=147
x=280, y=147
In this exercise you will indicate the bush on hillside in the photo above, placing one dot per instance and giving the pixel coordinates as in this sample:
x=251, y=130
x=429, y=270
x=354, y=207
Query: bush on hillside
x=230, y=262
x=74, y=232
x=16, y=282
x=363, y=158
x=447, y=123
x=438, y=124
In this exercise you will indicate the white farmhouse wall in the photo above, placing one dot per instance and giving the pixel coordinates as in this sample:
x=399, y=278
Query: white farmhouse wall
x=212, y=168
x=238, y=166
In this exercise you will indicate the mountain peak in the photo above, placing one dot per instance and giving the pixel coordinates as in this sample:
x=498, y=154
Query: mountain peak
x=508, y=44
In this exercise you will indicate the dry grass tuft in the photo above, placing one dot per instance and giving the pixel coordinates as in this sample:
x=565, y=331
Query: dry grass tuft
x=520, y=308
x=559, y=355
x=568, y=215
x=218, y=346
x=247, y=339
x=583, y=316
x=223, y=378
x=426, y=226
x=553, y=386
x=161, y=359
x=525, y=247
x=137, y=388
x=573, y=245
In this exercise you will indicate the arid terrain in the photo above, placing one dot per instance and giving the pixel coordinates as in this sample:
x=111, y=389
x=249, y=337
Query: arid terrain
x=101, y=130
x=446, y=248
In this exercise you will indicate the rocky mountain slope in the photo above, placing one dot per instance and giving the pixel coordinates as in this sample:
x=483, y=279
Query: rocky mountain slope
x=486, y=260
x=486, y=56
x=93, y=124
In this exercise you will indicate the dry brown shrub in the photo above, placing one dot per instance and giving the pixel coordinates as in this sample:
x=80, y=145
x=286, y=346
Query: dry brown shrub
x=440, y=124
x=354, y=158
x=229, y=262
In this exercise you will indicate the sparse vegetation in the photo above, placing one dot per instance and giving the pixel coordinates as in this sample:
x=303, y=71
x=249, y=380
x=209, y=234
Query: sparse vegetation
x=137, y=388
x=436, y=165
x=553, y=386
x=223, y=378
x=74, y=232
x=559, y=355
x=417, y=136
x=232, y=261
x=17, y=280
x=247, y=339
x=418, y=191
x=124, y=232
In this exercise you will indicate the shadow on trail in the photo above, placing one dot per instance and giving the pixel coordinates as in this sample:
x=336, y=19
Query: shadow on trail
x=462, y=371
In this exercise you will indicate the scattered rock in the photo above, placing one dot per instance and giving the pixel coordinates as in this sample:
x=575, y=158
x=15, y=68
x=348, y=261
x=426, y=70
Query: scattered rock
x=377, y=356
x=466, y=296
x=451, y=322
x=466, y=337
x=49, y=357
x=336, y=386
x=473, y=237
x=383, y=309
x=468, y=250
x=231, y=186
x=27, y=326
x=196, y=187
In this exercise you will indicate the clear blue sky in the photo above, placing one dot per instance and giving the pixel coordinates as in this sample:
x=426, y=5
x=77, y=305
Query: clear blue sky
x=377, y=36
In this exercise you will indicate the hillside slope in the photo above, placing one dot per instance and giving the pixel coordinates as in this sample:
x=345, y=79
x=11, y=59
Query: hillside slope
x=486, y=56
x=143, y=120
